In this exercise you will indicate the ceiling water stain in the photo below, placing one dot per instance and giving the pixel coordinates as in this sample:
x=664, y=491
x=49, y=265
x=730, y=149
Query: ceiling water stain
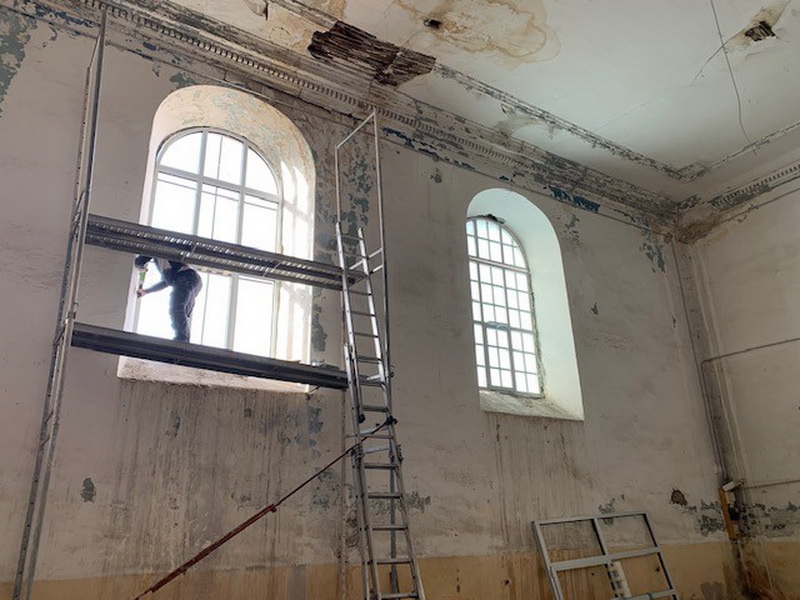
x=508, y=31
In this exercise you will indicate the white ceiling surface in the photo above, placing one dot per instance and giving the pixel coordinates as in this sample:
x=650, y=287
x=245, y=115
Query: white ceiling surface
x=646, y=76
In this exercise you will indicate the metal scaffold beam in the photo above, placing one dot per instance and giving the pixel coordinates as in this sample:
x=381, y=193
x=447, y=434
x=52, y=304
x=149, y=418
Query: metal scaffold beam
x=122, y=343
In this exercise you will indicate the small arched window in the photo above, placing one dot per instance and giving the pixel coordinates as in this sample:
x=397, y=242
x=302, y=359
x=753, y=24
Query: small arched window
x=506, y=346
x=216, y=185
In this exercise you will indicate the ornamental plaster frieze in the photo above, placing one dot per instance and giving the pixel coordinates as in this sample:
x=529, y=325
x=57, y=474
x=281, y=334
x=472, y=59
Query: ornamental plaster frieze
x=197, y=42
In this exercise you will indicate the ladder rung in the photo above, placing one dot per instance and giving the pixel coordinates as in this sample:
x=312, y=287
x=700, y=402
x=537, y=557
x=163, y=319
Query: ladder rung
x=364, y=334
x=362, y=313
x=384, y=495
x=376, y=268
x=399, y=596
x=372, y=382
x=393, y=561
x=375, y=449
x=369, y=359
x=376, y=436
x=383, y=466
x=374, y=408
x=358, y=293
x=389, y=528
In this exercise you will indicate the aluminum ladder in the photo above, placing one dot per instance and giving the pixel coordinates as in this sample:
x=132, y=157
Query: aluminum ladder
x=381, y=508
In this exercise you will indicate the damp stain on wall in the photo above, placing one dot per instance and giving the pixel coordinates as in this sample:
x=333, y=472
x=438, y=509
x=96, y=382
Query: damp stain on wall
x=653, y=249
x=318, y=335
x=15, y=33
x=571, y=229
x=88, y=491
x=707, y=515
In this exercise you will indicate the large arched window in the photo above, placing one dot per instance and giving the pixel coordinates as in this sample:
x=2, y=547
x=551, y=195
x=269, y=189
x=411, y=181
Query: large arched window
x=216, y=185
x=525, y=350
x=502, y=309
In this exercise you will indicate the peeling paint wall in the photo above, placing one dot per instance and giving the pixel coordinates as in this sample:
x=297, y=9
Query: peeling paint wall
x=147, y=473
x=750, y=279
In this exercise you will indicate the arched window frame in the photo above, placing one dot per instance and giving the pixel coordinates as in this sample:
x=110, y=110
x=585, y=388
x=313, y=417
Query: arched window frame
x=200, y=179
x=483, y=326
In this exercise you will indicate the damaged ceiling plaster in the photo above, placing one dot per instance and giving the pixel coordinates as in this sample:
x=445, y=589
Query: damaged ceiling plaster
x=638, y=103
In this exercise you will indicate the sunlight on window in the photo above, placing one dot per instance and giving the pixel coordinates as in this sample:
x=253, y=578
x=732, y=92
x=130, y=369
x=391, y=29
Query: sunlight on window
x=217, y=186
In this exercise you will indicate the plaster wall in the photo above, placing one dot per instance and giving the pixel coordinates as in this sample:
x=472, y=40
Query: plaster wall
x=751, y=281
x=148, y=473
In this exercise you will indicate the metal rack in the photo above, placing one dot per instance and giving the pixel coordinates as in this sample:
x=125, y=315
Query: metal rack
x=113, y=234
x=611, y=561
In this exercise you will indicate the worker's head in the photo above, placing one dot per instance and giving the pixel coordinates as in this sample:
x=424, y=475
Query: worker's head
x=141, y=262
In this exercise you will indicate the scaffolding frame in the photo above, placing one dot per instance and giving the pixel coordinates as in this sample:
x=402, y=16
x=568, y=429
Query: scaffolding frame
x=67, y=308
x=114, y=234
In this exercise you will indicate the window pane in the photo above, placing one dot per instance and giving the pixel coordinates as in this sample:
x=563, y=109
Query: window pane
x=494, y=231
x=259, y=175
x=153, y=318
x=496, y=252
x=183, y=153
x=480, y=354
x=254, y=306
x=219, y=214
x=173, y=207
x=259, y=224
x=471, y=248
x=483, y=248
x=217, y=291
x=224, y=158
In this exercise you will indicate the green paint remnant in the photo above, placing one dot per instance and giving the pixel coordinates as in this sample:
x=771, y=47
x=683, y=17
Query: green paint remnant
x=88, y=492
x=15, y=33
x=654, y=251
x=182, y=80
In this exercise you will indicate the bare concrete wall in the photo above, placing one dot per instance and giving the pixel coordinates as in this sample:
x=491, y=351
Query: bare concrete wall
x=147, y=473
x=751, y=282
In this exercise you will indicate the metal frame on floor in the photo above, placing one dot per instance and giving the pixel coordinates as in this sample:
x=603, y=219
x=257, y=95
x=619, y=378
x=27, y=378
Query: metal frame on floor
x=605, y=559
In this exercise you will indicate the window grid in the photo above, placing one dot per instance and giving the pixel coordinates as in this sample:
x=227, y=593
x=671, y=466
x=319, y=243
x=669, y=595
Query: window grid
x=505, y=339
x=209, y=192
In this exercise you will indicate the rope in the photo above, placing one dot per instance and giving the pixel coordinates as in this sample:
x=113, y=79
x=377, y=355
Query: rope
x=255, y=518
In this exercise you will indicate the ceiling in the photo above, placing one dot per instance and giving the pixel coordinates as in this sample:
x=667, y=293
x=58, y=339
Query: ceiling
x=642, y=91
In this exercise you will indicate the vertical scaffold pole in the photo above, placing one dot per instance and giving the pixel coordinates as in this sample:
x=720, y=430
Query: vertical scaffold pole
x=46, y=444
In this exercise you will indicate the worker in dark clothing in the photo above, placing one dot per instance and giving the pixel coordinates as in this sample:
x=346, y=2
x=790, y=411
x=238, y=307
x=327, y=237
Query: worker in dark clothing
x=185, y=283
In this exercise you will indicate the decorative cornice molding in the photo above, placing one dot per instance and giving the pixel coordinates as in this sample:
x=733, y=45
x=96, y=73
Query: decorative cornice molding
x=753, y=189
x=196, y=37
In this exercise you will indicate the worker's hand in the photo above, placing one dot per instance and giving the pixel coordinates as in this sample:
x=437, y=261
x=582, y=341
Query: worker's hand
x=140, y=292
